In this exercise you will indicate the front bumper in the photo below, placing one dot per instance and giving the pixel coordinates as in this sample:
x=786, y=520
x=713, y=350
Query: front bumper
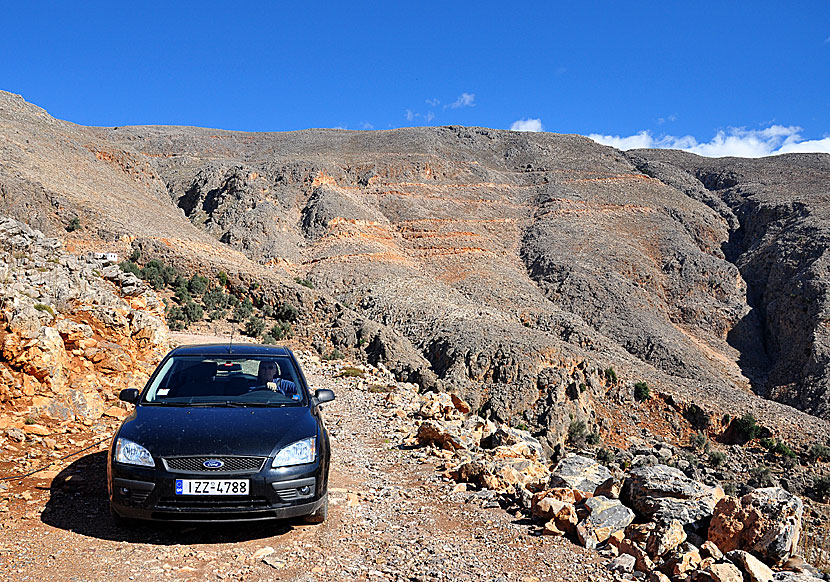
x=150, y=494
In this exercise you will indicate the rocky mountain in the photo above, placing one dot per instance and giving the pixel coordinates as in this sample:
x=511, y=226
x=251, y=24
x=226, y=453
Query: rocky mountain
x=516, y=269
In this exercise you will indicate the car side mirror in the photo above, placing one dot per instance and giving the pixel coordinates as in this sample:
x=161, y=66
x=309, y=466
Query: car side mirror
x=324, y=395
x=131, y=395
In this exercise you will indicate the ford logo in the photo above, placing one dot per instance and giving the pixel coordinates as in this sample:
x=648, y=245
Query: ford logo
x=213, y=464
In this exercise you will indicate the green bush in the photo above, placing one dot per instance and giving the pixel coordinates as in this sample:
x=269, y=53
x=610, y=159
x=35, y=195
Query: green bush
x=73, y=224
x=45, y=308
x=699, y=441
x=193, y=311
x=215, y=298
x=304, y=282
x=747, y=427
x=818, y=452
x=197, y=284
x=610, y=376
x=762, y=476
x=243, y=310
x=286, y=312
x=135, y=256
x=281, y=330
x=778, y=447
x=641, y=392
x=223, y=278
x=218, y=314
x=182, y=295
x=176, y=318
x=606, y=456
x=576, y=431
x=717, y=458
x=254, y=327
x=821, y=487
x=131, y=267
x=593, y=439
x=698, y=417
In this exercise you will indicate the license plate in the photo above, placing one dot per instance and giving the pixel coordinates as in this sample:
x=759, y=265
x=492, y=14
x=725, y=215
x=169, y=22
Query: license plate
x=211, y=486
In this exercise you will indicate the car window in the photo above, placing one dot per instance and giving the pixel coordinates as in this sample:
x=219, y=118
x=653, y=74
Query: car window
x=227, y=380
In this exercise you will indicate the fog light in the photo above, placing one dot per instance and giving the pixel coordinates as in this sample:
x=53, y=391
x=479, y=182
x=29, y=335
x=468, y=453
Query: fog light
x=305, y=490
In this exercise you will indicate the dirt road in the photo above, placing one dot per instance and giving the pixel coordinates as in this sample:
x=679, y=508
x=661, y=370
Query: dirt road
x=391, y=517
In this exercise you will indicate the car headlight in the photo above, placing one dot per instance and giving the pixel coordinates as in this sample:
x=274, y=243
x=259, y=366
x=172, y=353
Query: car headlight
x=128, y=452
x=299, y=453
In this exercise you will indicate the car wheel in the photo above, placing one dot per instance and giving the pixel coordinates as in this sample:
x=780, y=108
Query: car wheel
x=321, y=514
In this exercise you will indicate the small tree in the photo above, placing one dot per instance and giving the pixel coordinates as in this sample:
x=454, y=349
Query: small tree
x=254, y=327
x=641, y=392
x=286, y=312
x=193, y=311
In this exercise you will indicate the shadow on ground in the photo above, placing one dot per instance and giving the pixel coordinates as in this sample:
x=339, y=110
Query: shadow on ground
x=79, y=503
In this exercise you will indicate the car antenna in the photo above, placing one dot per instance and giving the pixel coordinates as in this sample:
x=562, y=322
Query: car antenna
x=230, y=341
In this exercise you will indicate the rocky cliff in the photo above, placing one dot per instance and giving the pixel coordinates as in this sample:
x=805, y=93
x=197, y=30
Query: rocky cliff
x=513, y=268
x=73, y=331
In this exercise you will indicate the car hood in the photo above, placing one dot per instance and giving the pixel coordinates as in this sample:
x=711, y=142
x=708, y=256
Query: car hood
x=174, y=431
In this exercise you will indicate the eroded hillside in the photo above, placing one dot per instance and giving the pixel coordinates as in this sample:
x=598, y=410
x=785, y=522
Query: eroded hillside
x=494, y=263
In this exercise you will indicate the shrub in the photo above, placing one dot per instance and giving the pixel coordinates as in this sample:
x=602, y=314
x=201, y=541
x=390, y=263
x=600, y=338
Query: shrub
x=730, y=488
x=593, y=439
x=73, y=225
x=818, y=452
x=610, y=376
x=821, y=487
x=350, y=372
x=576, y=431
x=717, y=458
x=243, y=310
x=268, y=310
x=215, y=298
x=778, y=447
x=218, y=314
x=641, y=392
x=135, y=256
x=762, y=476
x=747, y=427
x=223, y=278
x=254, y=327
x=176, y=318
x=130, y=267
x=698, y=417
x=182, y=295
x=193, y=311
x=198, y=284
x=286, y=312
x=334, y=355
x=45, y=308
x=606, y=456
x=699, y=441
x=281, y=330
x=304, y=282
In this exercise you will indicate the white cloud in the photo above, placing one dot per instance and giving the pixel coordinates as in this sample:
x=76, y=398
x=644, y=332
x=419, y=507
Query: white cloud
x=410, y=115
x=736, y=141
x=433, y=102
x=527, y=125
x=464, y=100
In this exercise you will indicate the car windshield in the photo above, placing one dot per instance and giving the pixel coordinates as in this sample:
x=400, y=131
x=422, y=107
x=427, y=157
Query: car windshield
x=227, y=381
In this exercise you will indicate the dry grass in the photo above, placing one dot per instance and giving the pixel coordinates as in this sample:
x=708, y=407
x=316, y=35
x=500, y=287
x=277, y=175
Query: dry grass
x=815, y=546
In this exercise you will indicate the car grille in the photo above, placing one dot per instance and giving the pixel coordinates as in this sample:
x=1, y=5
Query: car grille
x=172, y=504
x=229, y=464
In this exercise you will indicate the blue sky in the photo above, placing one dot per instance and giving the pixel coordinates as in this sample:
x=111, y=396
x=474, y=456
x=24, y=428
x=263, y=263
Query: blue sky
x=714, y=77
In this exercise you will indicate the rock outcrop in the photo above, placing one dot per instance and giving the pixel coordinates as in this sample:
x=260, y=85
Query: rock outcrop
x=73, y=331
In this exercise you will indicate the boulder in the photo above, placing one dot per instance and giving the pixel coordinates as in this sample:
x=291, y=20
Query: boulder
x=754, y=569
x=795, y=577
x=579, y=473
x=605, y=516
x=663, y=494
x=665, y=538
x=642, y=561
x=719, y=573
x=766, y=522
x=622, y=564
x=506, y=436
x=444, y=435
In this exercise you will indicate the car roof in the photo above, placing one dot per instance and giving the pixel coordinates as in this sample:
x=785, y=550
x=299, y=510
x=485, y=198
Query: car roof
x=231, y=349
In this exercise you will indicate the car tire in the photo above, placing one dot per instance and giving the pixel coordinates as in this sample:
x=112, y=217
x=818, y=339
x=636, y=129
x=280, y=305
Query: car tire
x=320, y=515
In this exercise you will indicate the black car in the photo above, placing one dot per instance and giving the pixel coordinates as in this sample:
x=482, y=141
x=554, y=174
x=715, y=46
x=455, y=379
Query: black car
x=222, y=433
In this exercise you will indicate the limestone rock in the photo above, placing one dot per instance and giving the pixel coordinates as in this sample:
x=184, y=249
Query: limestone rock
x=754, y=569
x=766, y=522
x=606, y=516
x=579, y=473
x=663, y=494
